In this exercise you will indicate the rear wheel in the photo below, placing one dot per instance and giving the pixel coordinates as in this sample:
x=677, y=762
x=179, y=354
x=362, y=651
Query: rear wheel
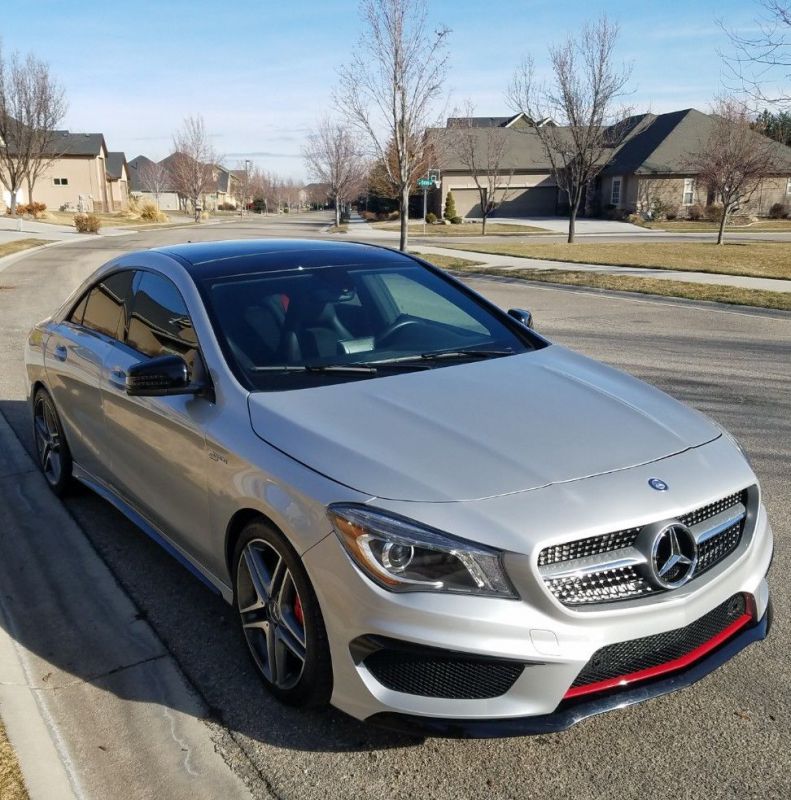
x=281, y=619
x=54, y=456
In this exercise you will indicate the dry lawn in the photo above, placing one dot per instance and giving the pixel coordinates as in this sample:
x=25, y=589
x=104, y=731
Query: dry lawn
x=447, y=262
x=12, y=786
x=703, y=226
x=667, y=288
x=9, y=248
x=466, y=229
x=752, y=259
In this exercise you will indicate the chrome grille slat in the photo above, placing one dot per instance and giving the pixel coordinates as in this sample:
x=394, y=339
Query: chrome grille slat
x=606, y=568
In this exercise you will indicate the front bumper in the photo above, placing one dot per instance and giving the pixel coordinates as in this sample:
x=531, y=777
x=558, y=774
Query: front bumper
x=555, y=644
x=571, y=712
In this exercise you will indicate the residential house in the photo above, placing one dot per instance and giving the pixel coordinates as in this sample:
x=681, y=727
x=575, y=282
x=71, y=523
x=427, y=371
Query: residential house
x=77, y=177
x=140, y=186
x=648, y=160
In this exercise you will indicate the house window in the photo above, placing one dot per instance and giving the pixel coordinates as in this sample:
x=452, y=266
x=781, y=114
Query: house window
x=615, y=194
x=61, y=181
x=788, y=186
x=689, y=191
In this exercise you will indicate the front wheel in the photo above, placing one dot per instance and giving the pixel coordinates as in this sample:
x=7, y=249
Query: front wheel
x=54, y=456
x=281, y=619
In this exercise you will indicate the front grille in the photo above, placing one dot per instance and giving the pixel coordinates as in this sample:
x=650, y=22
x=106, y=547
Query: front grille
x=616, y=580
x=441, y=674
x=626, y=658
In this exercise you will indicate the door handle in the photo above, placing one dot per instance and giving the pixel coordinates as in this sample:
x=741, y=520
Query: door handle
x=61, y=352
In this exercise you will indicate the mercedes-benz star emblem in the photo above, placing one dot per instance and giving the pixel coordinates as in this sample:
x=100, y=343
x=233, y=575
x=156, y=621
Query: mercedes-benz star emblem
x=674, y=555
x=658, y=484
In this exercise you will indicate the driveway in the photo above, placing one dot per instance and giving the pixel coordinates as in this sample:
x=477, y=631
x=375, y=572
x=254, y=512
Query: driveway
x=728, y=736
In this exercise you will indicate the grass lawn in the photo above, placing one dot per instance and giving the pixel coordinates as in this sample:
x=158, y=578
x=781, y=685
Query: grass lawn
x=467, y=229
x=343, y=228
x=656, y=286
x=9, y=248
x=688, y=225
x=753, y=259
x=12, y=787
x=115, y=220
x=447, y=262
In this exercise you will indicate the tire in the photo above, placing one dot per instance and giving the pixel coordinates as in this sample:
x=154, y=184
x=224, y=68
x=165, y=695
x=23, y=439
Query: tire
x=280, y=618
x=52, y=450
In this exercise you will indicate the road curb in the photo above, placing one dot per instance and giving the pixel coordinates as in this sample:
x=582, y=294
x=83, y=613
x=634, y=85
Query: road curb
x=92, y=700
x=7, y=261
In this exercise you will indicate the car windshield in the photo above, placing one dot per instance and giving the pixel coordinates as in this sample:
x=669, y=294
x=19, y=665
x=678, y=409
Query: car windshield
x=309, y=326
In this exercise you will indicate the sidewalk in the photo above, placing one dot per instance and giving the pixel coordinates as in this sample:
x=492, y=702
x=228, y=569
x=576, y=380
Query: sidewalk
x=93, y=704
x=517, y=263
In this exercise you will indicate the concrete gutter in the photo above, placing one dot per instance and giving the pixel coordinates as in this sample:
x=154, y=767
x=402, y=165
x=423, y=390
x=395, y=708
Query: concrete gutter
x=93, y=703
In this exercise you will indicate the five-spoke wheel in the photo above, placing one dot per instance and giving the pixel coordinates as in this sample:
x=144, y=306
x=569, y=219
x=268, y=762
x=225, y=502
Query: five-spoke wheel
x=280, y=617
x=54, y=456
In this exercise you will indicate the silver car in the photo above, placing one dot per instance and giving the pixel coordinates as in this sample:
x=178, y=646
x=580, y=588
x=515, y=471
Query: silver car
x=424, y=512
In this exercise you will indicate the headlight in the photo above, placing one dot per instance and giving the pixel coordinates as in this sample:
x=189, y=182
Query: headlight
x=403, y=556
x=728, y=435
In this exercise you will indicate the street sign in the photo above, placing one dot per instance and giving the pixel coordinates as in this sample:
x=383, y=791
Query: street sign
x=425, y=182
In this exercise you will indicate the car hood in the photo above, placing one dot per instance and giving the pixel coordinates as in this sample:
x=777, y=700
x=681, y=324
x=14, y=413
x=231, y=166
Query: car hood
x=475, y=430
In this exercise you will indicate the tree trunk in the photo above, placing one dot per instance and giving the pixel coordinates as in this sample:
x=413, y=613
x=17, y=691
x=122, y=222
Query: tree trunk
x=13, y=203
x=723, y=220
x=30, y=185
x=404, y=218
x=483, y=224
x=573, y=208
x=337, y=212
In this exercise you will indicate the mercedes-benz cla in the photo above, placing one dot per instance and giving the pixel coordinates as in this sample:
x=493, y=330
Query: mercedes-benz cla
x=423, y=511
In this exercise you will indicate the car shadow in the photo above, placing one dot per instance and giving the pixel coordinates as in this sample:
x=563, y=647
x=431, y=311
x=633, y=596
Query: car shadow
x=196, y=626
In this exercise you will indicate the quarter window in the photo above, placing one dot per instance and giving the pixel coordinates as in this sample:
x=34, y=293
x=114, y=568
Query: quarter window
x=159, y=323
x=689, y=191
x=104, y=310
x=615, y=196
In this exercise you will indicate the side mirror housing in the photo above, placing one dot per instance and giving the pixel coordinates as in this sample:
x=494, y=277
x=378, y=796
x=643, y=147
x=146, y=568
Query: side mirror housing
x=159, y=377
x=521, y=315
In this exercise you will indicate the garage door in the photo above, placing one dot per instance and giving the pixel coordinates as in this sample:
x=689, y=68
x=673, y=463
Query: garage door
x=537, y=201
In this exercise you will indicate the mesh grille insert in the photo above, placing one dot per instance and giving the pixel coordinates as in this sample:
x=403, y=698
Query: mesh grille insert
x=450, y=676
x=624, y=658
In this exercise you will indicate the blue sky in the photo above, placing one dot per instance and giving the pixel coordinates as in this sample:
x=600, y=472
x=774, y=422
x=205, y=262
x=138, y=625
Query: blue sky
x=261, y=72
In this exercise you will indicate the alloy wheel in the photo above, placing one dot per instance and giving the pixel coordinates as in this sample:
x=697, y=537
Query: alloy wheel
x=271, y=611
x=48, y=443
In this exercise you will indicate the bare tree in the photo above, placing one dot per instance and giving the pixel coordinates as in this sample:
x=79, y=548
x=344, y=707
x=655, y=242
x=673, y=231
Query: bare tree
x=734, y=160
x=154, y=178
x=193, y=164
x=32, y=104
x=387, y=91
x=482, y=152
x=760, y=62
x=581, y=97
x=333, y=156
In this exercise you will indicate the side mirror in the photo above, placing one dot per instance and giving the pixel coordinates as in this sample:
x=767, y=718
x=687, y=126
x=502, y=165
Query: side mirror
x=521, y=315
x=159, y=377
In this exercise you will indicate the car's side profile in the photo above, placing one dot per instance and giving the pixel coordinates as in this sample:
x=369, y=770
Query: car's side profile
x=423, y=511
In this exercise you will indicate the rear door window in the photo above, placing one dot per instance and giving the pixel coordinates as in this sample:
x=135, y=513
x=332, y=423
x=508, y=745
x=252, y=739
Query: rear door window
x=106, y=304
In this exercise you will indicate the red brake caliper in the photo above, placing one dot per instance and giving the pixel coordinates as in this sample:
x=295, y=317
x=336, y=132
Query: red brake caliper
x=298, y=612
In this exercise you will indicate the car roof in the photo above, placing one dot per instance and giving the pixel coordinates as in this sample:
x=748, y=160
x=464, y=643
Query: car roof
x=244, y=256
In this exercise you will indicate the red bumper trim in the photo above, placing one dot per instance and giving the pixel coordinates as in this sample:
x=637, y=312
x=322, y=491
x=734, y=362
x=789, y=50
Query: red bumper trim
x=662, y=669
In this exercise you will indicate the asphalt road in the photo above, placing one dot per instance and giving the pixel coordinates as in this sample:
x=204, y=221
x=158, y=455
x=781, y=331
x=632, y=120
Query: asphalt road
x=727, y=736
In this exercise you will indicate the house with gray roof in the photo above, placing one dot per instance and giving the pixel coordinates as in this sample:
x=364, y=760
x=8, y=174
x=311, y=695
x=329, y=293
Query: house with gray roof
x=81, y=176
x=648, y=162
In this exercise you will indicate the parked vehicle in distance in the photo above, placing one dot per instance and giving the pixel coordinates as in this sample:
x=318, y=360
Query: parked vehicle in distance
x=423, y=511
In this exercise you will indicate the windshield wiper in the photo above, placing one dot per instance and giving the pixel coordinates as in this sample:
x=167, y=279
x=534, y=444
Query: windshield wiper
x=465, y=354
x=343, y=369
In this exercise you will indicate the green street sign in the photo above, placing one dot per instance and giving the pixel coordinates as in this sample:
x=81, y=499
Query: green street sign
x=425, y=182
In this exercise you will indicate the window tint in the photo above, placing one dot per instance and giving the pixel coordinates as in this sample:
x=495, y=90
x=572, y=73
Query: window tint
x=105, y=306
x=159, y=323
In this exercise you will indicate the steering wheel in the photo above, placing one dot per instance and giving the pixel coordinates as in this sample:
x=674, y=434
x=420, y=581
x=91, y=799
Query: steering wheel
x=390, y=335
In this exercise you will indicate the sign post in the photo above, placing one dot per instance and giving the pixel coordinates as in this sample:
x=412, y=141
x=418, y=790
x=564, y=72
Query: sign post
x=431, y=180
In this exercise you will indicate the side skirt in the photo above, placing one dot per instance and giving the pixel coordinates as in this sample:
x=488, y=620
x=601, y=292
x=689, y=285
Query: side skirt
x=203, y=575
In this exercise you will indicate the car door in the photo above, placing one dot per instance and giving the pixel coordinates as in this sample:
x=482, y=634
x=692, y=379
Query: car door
x=158, y=445
x=74, y=359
